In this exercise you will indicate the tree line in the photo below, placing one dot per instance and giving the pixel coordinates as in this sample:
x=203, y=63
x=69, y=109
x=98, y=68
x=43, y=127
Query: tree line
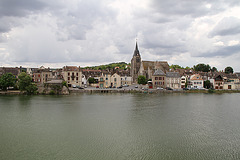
x=201, y=67
x=23, y=83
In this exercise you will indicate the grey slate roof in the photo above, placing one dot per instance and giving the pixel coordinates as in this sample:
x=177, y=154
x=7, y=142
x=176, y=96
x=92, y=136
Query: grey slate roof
x=159, y=72
x=136, y=52
x=173, y=74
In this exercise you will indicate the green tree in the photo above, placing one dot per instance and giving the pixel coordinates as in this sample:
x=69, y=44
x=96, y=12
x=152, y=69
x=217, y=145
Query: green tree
x=7, y=80
x=91, y=80
x=228, y=70
x=214, y=69
x=207, y=84
x=64, y=83
x=142, y=79
x=175, y=66
x=202, y=67
x=25, y=83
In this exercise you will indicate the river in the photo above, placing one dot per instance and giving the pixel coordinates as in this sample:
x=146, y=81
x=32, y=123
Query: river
x=118, y=126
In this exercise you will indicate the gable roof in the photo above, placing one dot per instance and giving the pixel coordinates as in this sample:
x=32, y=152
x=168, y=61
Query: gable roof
x=195, y=77
x=159, y=72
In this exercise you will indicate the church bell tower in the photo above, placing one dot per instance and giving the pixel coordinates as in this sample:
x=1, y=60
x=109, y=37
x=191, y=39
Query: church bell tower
x=135, y=64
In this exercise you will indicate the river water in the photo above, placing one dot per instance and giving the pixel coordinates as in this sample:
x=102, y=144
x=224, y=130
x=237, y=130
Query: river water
x=120, y=126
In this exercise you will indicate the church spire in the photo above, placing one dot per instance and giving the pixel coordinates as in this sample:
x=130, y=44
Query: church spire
x=136, y=52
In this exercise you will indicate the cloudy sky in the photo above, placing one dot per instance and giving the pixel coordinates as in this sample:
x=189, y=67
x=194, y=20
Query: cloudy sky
x=55, y=33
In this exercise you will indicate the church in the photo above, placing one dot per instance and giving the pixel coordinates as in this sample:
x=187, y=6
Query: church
x=145, y=68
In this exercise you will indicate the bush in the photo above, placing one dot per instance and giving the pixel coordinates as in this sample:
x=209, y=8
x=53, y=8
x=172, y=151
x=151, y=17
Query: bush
x=52, y=92
x=211, y=91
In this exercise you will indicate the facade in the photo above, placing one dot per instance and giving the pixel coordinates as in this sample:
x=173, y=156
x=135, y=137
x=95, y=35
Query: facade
x=183, y=81
x=173, y=80
x=72, y=75
x=196, y=81
x=218, y=82
x=126, y=80
x=135, y=65
x=42, y=75
x=158, y=79
x=231, y=81
x=14, y=70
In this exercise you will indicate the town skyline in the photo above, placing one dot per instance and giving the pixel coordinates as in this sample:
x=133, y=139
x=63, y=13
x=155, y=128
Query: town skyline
x=91, y=33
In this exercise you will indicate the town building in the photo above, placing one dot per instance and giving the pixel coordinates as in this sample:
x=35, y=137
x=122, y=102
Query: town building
x=196, y=81
x=173, y=80
x=158, y=79
x=72, y=75
x=14, y=70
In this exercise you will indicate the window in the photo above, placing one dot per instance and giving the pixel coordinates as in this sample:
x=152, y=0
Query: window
x=68, y=74
x=106, y=79
x=77, y=74
x=160, y=78
x=115, y=79
x=156, y=78
x=69, y=78
x=77, y=78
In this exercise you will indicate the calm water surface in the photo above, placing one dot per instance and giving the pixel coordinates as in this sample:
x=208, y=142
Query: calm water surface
x=120, y=126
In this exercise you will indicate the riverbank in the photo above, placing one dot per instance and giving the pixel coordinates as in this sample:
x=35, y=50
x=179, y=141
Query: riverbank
x=96, y=90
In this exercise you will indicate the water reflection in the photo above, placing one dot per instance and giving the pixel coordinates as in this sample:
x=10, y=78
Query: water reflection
x=120, y=126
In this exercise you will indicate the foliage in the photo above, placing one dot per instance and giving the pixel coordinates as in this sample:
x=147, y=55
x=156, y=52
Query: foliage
x=114, y=66
x=228, y=70
x=7, y=80
x=25, y=83
x=31, y=89
x=202, y=67
x=211, y=91
x=64, y=83
x=214, y=69
x=52, y=92
x=142, y=79
x=175, y=66
x=92, y=80
x=207, y=84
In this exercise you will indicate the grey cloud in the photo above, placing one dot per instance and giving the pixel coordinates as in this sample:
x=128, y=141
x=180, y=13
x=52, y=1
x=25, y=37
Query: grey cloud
x=19, y=8
x=227, y=26
x=223, y=51
x=191, y=8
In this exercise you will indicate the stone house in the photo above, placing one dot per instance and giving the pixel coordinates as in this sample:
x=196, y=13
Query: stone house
x=173, y=80
x=72, y=75
x=159, y=79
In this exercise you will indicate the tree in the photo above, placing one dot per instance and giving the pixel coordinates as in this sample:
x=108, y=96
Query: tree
x=228, y=70
x=207, y=84
x=175, y=66
x=214, y=69
x=92, y=80
x=25, y=83
x=202, y=67
x=142, y=79
x=7, y=80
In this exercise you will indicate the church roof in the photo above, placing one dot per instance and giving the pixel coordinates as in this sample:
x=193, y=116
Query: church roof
x=136, y=52
x=163, y=65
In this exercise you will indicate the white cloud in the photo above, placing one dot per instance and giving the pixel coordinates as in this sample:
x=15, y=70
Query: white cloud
x=57, y=33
